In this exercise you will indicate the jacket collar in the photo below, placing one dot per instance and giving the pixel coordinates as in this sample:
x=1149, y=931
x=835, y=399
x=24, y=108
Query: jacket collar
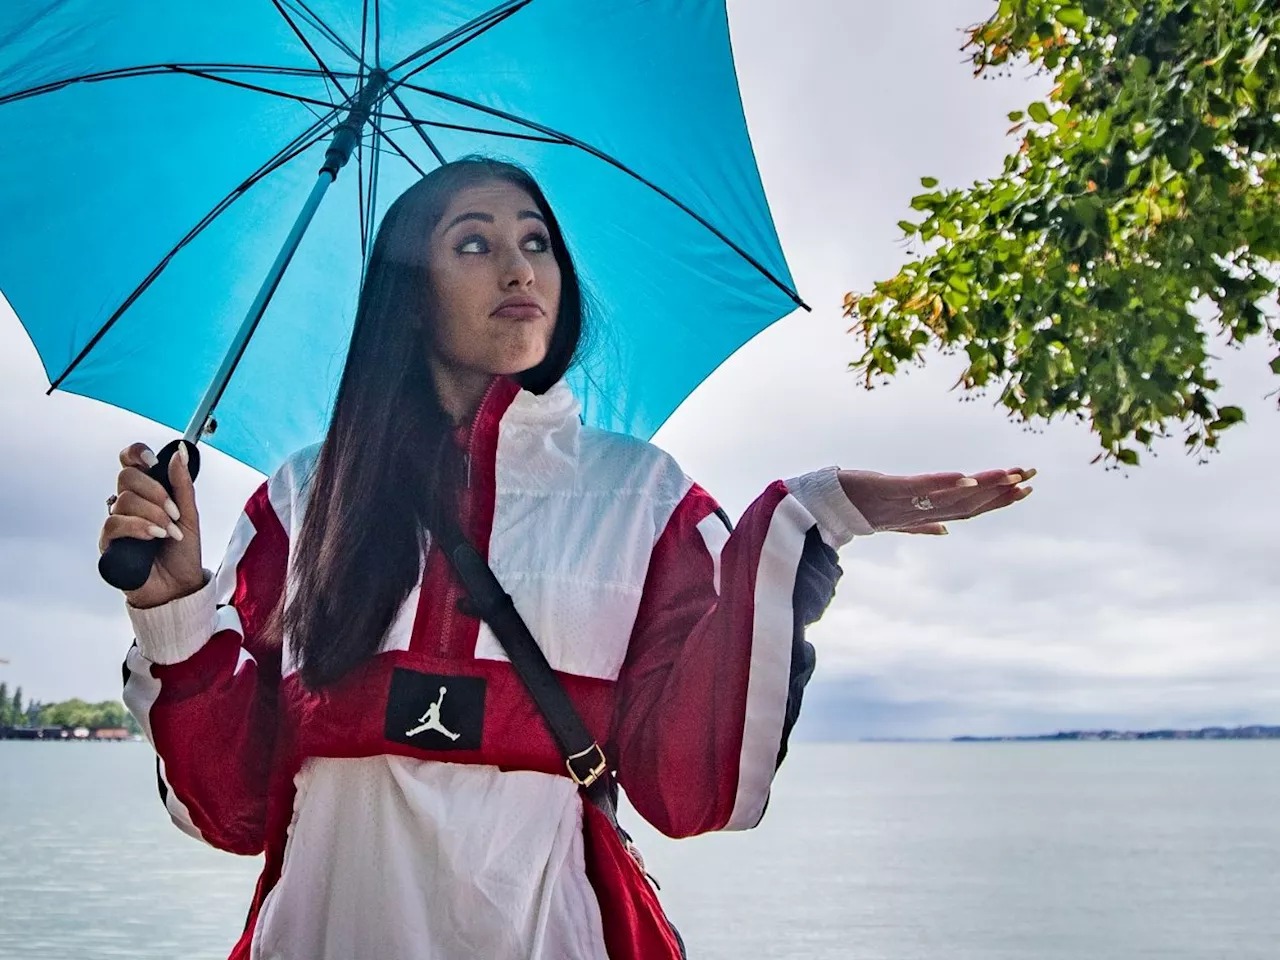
x=552, y=408
x=506, y=402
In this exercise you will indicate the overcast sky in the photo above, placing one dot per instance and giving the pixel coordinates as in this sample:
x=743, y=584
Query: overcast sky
x=1137, y=599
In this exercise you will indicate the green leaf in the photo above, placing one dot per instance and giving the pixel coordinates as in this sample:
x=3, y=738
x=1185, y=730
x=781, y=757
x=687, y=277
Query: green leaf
x=1016, y=115
x=1101, y=134
x=1070, y=84
x=1227, y=416
x=1275, y=365
x=1255, y=53
x=928, y=182
x=1072, y=17
x=1038, y=112
x=954, y=299
x=926, y=201
x=1127, y=456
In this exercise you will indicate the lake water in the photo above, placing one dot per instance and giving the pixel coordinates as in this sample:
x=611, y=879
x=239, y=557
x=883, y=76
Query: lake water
x=1006, y=851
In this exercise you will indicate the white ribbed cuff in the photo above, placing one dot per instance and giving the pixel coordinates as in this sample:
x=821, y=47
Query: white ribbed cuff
x=839, y=521
x=174, y=631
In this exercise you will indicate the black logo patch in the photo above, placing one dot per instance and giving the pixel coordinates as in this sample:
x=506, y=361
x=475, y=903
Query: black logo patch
x=435, y=712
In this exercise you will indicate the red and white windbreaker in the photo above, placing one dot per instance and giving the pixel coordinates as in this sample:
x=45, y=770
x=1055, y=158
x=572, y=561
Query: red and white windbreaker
x=419, y=807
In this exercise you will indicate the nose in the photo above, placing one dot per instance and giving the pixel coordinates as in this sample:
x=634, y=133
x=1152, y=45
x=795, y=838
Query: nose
x=518, y=270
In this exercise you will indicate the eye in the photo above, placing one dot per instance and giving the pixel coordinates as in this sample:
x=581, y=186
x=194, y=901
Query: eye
x=472, y=244
x=537, y=242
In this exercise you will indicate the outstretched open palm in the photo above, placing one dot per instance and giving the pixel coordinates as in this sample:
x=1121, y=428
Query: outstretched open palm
x=924, y=503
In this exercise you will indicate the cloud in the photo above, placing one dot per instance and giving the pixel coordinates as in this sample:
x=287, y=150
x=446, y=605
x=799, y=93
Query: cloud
x=1146, y=598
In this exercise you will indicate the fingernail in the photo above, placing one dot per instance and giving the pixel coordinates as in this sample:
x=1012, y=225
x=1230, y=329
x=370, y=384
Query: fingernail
x=171, y=509
x=157, y=532
x=944, y=532
x=182, y=453
x=1011, y=478
x=149, y=458
x=966, y=482
x=1029, y=474
x=174, y=532
x=1026, y=492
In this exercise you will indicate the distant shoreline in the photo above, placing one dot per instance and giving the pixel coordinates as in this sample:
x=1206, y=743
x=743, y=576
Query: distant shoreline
x=1253, y=732
x=68, y=735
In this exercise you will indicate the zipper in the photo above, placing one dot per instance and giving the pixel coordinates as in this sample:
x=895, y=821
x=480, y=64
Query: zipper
x=453, y=595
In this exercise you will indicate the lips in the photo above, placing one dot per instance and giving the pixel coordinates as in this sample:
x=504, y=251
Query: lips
x=521, y=308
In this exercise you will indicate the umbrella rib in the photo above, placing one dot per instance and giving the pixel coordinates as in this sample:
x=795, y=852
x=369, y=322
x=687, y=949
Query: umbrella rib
x=396, y=147
x=209, y=70
x=497, y=19
x=425, y=139
x=297, y=146
x=360, y=195
x=313, y=111
x=254, y=87
x=310, y=16
x=501, y=11
x=411, y=122
x=310, y=49
x=364, y=39
x=618, y=164
x=374, y=155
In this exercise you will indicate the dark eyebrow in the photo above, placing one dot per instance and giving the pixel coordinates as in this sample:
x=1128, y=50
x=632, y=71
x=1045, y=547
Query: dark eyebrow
x=488, y=218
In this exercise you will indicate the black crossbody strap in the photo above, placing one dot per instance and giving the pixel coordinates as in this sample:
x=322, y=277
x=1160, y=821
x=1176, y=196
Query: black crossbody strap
x=584, y=759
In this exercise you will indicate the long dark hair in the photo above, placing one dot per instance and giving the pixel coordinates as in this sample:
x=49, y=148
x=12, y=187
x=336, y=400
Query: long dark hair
x=388, y=469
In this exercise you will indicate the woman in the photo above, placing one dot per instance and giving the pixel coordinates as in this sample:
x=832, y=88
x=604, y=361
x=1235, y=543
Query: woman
x=366, y=733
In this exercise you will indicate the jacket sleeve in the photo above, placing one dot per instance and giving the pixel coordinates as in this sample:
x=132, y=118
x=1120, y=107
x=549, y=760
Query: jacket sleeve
x=717, y=662
x=202, y=687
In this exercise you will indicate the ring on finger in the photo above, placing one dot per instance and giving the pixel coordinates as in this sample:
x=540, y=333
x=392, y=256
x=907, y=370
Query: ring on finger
x=922, y=503
x=111, y=502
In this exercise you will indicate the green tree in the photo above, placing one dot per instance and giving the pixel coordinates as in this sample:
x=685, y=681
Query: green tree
x=78, y=713
x=111, y=713
x=68, y=713
x=1140, y=211
x=5, y=706
x=15, y=711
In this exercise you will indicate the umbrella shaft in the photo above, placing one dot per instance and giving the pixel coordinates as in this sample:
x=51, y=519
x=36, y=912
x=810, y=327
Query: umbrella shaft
x=347, y=135
x=344, y=140
x=211, y=397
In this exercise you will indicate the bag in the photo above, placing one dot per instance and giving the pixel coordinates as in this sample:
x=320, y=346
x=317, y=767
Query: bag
x=584, y=759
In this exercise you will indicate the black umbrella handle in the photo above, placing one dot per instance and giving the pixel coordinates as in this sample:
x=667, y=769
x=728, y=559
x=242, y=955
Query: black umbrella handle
x=127, y=562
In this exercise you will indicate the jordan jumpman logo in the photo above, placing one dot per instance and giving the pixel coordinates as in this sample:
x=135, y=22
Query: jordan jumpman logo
x=431, y=721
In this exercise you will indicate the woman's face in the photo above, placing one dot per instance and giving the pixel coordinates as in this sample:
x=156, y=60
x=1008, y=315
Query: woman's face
x=496, y=282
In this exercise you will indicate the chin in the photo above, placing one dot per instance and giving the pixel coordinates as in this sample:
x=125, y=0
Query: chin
x=524, y=366
x=520, y=349
x=520, y=362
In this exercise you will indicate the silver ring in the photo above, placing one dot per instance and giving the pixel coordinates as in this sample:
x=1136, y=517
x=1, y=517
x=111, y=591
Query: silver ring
x=111, y=502
x=922, y=503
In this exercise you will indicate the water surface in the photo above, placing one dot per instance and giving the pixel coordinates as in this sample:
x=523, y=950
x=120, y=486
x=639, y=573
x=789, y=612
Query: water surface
x=1003, y=851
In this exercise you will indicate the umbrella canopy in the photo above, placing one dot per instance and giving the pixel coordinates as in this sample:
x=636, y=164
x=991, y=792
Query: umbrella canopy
x=157, y=154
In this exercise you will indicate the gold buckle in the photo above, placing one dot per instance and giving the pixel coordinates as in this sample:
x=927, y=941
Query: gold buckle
x=598, y=766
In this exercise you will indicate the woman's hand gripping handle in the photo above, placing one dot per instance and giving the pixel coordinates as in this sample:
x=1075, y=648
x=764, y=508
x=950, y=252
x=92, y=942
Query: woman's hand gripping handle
x=150, y=544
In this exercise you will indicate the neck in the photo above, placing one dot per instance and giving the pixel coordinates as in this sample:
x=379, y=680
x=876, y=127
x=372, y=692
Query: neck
x=459, y=391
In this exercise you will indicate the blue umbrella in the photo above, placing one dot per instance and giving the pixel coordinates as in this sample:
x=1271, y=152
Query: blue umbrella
x=178, y=240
